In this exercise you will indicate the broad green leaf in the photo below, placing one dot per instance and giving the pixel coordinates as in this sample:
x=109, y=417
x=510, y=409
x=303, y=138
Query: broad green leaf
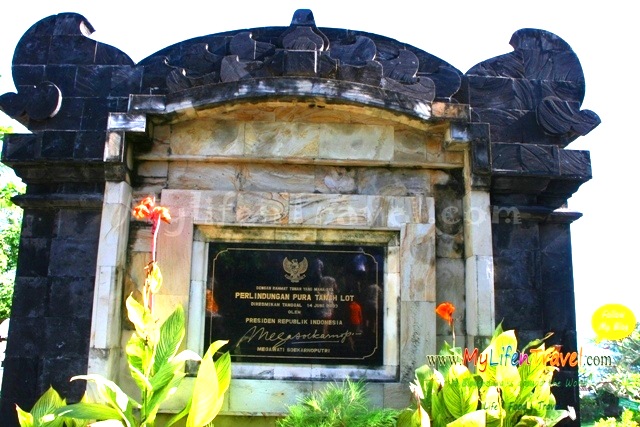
x=425, y=379
x=139, y=353
x=143, y=321
x=460, y=392
x=530, y=421
x=107, y=423
x=423, y=417
x=439, y=410
x=497, y=331
x=223, y=370
x=472, y=419
x=89, y=411
x=411, y=418
x=423, y=374
x=180, y=415
x=208, y=390
x=160, y=395
x=141, y=380
x=554, y=416
x=171, y=335
x=500, y=371
x=136, y=313
x=496, y=421
x=45, y=405
x=114, y=396
x=24, y=418
x=406, y=419
x=172, y=368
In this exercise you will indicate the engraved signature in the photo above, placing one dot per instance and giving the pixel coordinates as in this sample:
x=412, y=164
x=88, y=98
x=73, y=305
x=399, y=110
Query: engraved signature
x=278, y=339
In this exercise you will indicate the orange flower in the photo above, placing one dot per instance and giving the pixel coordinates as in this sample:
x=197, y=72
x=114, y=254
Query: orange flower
x=445, y=310
x=141, y=212
x=162, y=213
x=148, y=209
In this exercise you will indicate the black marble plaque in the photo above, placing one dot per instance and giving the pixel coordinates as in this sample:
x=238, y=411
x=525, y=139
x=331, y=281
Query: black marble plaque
x=293, y=303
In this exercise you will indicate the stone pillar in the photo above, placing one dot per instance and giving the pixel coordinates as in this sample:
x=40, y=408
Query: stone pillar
x=534, y=284
x=52, y=304
x=67, y=84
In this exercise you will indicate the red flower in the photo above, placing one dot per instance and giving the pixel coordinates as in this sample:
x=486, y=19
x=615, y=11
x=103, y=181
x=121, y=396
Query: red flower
x=148, y=209
x=162, y=213
x=141, y=212
x=445, y=310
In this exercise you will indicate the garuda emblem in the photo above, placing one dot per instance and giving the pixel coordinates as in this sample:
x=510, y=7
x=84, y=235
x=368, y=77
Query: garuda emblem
x=295, y=269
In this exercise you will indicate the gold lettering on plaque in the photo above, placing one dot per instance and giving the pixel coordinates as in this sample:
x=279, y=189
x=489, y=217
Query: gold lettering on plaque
x=295, y=269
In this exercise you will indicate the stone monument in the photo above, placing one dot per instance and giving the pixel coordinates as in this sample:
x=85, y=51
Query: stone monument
x=329, y=188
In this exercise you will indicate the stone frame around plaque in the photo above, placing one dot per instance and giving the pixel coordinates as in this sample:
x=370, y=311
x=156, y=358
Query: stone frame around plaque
x=387, y=371
x=405, y=224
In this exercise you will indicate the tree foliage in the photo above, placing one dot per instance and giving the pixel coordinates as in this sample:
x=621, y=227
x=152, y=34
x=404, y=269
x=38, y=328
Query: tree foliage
x=10, y=223
x=623, y=379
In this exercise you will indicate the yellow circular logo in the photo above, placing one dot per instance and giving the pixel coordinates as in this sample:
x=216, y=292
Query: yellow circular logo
x=613, y=322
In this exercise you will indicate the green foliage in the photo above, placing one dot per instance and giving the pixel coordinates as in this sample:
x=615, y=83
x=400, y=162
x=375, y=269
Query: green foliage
x=10, y=222
x=592, y=408
x=623, y=379
x=41, y=414
x=338, y=405
x=504, y=393
x=626, y=420
x=157, y=367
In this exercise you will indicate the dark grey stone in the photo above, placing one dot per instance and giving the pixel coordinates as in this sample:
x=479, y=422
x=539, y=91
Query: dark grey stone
x=73, y=257
x=33, y=257
x=68, y=298
x=58, y=145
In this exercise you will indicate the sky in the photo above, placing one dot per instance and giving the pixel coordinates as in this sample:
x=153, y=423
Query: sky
x=463, y=33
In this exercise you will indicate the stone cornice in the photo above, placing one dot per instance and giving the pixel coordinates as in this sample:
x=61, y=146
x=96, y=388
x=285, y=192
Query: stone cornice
x=525, y=105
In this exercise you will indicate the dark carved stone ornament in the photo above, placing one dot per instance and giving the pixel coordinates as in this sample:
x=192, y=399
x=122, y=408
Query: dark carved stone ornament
x=70, y=84
x=533, y=94
x=301, y=50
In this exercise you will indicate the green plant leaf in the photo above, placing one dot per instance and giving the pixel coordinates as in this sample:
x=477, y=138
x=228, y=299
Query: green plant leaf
x=136, y=313
x=160, y=395
x=171, y=335
x=554, y=416
x=530, y=421
x=24, y=418
x=180, y=415
x=143, y=321
x=472, y=419
x=411, y=418
x=460, y=391
x=208, y=390
x=114, y=397
x=171, y=368
x=45, y=406
x=439, y=412
x=223, y=370
x=492, y=403
x=89, y=411
x=139, y=357
x=499, y=369
x=107, y=423
x=166, y=381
